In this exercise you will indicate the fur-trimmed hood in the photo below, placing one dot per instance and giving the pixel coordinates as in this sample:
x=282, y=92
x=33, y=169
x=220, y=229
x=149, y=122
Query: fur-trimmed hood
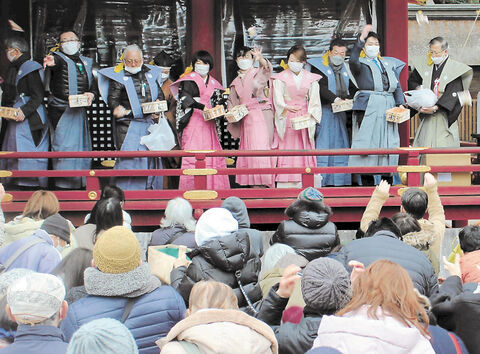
x=421, y=240
x=312, y=215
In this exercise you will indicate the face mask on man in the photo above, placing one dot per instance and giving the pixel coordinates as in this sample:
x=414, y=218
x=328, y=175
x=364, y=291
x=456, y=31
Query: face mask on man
x=165, y=76
x=336, y=60
x=11, y=57
x=372, y=51
x=202, y=69
x=133, y=70
x=245, y=64
x=70, y=48
x=295, y=66
x=438, y=60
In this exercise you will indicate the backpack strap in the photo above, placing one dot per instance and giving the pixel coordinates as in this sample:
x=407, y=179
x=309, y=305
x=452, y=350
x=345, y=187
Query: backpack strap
x=190, y=348
x=455, y=343
x=19, y=251
x=128, y=308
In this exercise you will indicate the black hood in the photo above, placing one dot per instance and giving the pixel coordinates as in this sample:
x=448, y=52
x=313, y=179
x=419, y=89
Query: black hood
x=239, y=211
x=312, y=215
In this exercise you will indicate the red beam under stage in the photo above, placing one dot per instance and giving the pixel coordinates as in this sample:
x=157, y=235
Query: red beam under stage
x=396, y=45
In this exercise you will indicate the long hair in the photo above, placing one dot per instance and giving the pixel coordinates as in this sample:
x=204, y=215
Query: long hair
x=211, y=294
x=41, y=205
x=178, y=212
x=386, y=286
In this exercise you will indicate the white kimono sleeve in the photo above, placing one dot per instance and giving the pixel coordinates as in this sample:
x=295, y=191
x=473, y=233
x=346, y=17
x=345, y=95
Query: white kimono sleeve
x=314, y=103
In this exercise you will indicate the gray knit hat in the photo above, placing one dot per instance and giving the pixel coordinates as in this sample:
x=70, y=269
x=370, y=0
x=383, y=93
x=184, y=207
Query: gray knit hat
x=105, y=335
x=326, y=285
x=58, y=226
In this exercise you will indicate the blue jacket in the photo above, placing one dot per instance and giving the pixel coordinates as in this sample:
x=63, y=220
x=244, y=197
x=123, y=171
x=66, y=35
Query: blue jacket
x=152, y=315
x=42, y=257
x=37, y=340
x=442, y=343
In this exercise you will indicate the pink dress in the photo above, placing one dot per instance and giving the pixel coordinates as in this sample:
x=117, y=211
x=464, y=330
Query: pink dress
x=253, y=129
x=201, y=135
x=307, y=96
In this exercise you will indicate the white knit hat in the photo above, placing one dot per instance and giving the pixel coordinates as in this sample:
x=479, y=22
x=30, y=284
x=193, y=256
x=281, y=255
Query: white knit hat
x=214, y=223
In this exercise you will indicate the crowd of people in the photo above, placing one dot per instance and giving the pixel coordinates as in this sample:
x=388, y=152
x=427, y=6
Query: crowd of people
x=289, y=110
x=225, y=287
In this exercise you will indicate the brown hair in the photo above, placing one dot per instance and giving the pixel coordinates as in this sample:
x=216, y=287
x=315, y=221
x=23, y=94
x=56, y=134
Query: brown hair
x=298, y=51
x=212, y=295
x=387, y=286
x=41, y=205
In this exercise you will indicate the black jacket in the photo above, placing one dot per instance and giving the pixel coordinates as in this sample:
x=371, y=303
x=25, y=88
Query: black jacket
x=292, y=338
x=227, y=260
x=308, y=231
x=384, y=245
x=457, y=309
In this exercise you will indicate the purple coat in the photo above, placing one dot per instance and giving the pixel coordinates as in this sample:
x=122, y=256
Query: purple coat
x=163, y=235
x=42, y=257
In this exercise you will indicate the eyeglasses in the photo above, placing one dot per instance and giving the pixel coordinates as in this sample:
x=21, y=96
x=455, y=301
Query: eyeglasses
x=133, y=61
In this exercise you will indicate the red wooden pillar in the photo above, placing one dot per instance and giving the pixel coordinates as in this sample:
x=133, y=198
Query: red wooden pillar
x=205, y=32
x=396, y=45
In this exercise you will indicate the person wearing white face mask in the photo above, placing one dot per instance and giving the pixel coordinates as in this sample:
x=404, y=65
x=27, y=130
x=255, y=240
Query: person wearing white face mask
x=194, y=91
x=255, y=130
x=23, y=89
x=125, y=87
x=379, y=90
x=69, y=73
x=336, y=85
x=445, y=77
x=296, y=93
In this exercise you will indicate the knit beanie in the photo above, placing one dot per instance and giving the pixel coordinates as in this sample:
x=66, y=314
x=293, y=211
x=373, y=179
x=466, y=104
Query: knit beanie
x=58, y=226
x=326, y=285
x=214, y=223
x=105, y=335
x=117, y=251
x=311, y=194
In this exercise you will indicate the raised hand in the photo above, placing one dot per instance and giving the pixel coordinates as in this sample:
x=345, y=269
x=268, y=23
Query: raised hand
x=49, y=60
x=287, y=282
x=366, y=30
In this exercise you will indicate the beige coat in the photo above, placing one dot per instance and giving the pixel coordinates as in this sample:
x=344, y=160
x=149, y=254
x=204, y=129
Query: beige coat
x=217, y=331
x=435, y=224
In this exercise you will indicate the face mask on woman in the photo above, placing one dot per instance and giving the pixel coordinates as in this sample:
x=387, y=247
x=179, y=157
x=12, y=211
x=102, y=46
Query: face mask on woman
x=372, y=51
x=202, y=69
x=295, y=66
x=70, y=48
x=245, y=64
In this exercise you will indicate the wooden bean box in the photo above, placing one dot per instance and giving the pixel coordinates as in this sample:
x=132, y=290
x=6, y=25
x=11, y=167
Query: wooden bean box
x=214, y=113
x=342, y=106
x=154, y=107
x=236, y=114
x=8, y=112
x=302, y=122
x=78, y=101
x=397, y=115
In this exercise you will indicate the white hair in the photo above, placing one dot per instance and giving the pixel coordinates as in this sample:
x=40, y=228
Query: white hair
x=178, y=212
x=132, y=48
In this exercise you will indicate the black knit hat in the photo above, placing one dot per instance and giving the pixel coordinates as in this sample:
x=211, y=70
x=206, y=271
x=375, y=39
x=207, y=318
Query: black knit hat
x=58, y=226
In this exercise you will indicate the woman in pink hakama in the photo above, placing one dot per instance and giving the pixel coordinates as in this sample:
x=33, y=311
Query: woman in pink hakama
x=255, y=130
x=296, y=93
x=193, y=92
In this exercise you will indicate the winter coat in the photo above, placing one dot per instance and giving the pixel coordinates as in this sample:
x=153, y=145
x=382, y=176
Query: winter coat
x=442, y=341
x=20, y=227
x=457, y=309
x=355, y=332
x=422, y=241
x=385, y=245
x=272, y=277
x=85, y=235
x=155, y=309
x=228, y=260
x=41, y=257
x=292, y=338
x=239, y=211
x=435, y=223
x=468, y=264
x=37, y=340
x=162, y=236
x=308, y=231
x=59, y=79
x=220, y=331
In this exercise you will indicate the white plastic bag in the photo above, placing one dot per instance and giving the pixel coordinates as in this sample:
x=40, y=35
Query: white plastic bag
x=422, y=98
x=160, y=138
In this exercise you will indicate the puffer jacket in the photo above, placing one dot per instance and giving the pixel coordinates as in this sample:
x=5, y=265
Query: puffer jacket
x=292, y=338
x=239, y=211
x=163, y=235
x=309, y=230
x=422, y=241
x=152, y=315
x=227, y=260
x=384, y=245
x=59, y=79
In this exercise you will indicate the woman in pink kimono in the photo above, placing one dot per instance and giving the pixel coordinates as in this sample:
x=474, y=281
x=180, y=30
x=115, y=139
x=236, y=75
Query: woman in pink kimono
x=256, y=129
x=296, y=92
x=193, y=92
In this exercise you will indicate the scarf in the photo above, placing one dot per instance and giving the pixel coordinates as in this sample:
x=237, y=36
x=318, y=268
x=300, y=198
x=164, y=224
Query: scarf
x=342, y=90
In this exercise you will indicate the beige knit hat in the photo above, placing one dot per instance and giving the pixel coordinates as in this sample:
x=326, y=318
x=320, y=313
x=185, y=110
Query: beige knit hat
x=117, y=251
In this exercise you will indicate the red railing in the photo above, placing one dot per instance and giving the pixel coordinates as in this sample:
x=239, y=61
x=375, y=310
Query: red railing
x=266, y=205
